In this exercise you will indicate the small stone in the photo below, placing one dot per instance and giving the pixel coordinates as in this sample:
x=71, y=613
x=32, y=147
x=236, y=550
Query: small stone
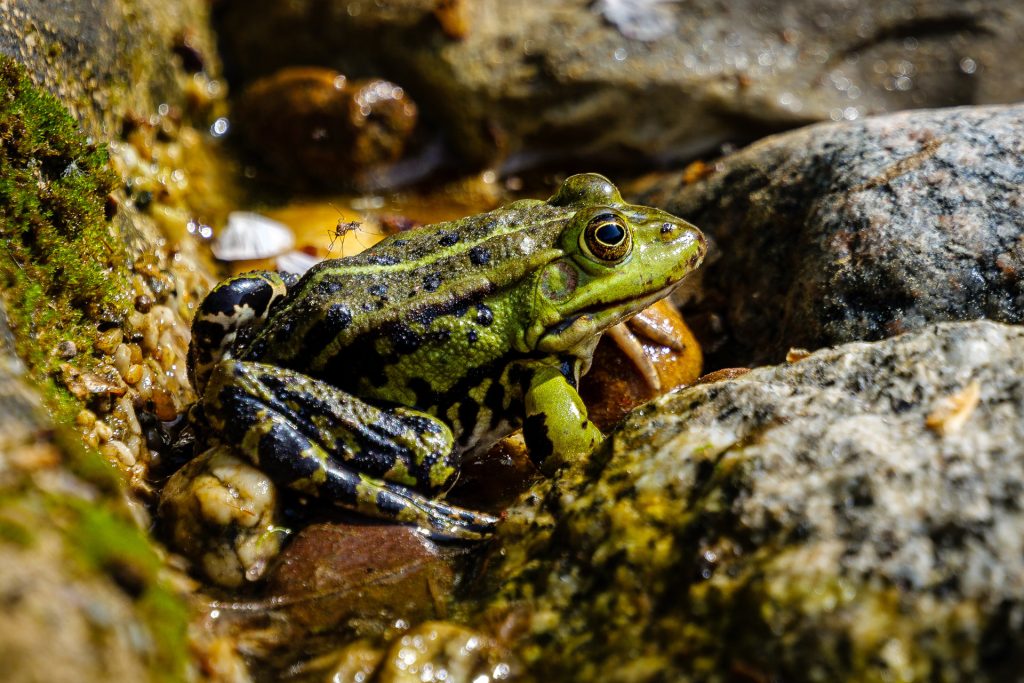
x=107, y=341
x=163, y=404
x=396, y=571
x=143, y=303
x=134, y=374
x=103, y=431
x=85, y=418
x=67, y=349
x=103, y=381
x=249, y=236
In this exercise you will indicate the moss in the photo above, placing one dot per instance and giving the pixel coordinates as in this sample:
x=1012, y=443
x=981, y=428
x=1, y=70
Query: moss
x=62, y=269
x=64, y=277
x=103, y=542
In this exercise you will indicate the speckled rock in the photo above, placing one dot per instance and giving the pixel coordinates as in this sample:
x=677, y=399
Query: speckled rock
x=862, y=230
x=106, y=58
x=83, y=599
x=853, y=516
x=533, y=79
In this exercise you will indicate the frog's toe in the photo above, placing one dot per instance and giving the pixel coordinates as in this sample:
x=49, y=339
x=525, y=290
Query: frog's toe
x=451, y=523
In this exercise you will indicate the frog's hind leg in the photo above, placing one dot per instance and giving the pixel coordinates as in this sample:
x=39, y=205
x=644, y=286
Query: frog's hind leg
x=319, y=440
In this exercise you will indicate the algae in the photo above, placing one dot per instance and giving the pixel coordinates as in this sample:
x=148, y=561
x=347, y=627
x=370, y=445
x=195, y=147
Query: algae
x=64, y=277
x=62, y=269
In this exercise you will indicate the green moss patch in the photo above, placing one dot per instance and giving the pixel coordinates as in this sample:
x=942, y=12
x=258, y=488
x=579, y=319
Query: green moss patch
x=105, y=543
x=62, y=269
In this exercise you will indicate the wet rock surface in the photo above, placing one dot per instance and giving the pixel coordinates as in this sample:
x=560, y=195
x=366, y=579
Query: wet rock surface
x=851, y=516
x=526, y=81
x=862, y=230
x=82, y=596
x=363, y=577
x=105, y=58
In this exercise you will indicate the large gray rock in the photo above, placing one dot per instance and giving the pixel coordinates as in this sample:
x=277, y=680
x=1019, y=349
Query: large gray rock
x=854, y=516
x=862, y=230
x=639, y=78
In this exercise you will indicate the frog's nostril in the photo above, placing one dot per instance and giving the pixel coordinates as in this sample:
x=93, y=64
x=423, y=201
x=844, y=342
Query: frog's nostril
x=666, y=228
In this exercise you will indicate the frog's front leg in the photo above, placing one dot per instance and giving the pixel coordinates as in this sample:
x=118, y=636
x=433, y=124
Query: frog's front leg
x=319, y=440
x=556, y=427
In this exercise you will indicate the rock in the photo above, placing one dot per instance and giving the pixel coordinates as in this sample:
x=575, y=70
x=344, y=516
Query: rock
x=84, y=595
x=805, y=522
x=223, y=514
x=313, y=128
x=105, y=58
x=861, y=230
x=529, y=80
x=361, y=577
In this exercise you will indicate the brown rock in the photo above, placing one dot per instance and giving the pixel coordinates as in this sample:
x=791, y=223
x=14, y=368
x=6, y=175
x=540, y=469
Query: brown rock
x=370, y=575
x=312, y=126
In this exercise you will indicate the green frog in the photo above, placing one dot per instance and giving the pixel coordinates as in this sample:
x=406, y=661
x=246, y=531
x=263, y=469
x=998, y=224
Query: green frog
x=367, y=381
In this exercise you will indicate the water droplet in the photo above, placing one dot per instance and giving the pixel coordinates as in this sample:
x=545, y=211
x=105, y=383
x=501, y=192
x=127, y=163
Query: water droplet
x=904, y=83
x=968, y=65
x=620, y=54
x=220, y=127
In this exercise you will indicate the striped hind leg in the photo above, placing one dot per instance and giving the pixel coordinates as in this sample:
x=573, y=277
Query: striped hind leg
x=319, y=440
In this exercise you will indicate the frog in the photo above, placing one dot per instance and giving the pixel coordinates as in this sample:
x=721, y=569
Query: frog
x=367, y=382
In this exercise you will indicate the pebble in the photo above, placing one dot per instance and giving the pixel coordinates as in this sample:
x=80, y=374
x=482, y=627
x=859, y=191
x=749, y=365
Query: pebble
x=67, y=349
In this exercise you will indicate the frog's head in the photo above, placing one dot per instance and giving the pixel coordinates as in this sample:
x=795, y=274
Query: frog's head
x=616, y=259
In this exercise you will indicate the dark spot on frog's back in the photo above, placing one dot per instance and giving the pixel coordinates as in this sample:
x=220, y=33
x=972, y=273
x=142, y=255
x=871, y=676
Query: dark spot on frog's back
x=382, y=260
x=324, y=331
x=404, y=339
x=448, y=238
x=330, y=285
x=479, y=256
x=378, y=289
x=484, y=315
x=432, y=282
x=472, y=336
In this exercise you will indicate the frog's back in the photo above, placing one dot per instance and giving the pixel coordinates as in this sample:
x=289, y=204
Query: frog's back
x=417, y=275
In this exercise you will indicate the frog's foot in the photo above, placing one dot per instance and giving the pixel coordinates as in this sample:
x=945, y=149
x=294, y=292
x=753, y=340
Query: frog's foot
x=289, y=456
x=626, y=337
x=321, y=441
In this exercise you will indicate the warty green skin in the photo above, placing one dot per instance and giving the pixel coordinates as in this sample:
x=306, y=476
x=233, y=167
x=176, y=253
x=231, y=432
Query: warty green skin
x=368, y=380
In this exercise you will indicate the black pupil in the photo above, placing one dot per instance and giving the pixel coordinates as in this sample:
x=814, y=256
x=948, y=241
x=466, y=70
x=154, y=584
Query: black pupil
x=610, y=233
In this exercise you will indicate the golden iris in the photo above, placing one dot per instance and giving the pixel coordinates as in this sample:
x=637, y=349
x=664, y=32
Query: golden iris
x=607, y=237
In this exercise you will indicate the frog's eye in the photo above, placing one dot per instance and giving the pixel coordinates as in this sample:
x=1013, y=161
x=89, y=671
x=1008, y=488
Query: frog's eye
x=607, y=237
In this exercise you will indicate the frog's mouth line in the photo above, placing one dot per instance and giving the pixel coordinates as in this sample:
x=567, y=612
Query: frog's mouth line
x=590, y=321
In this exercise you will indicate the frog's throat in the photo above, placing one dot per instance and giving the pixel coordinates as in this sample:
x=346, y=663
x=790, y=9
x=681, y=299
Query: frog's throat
x=578, y=328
